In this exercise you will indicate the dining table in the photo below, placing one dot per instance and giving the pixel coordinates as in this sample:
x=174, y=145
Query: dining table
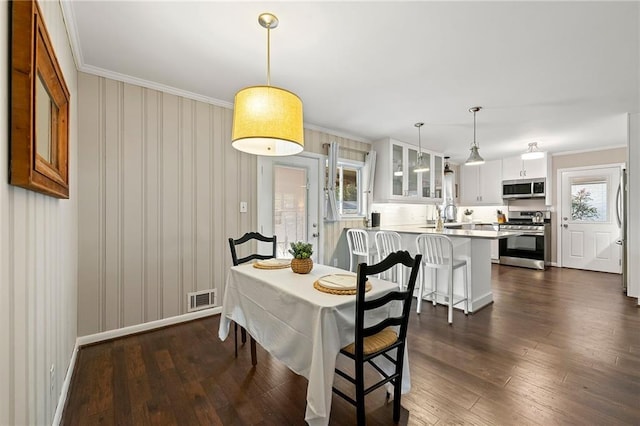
x=301, y=326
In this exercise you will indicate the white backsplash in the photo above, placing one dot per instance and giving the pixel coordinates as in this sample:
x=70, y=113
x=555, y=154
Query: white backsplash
x=413, y=214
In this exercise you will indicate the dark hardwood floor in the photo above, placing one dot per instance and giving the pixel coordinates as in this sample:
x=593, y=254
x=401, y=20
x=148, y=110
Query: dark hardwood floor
x=559, y=346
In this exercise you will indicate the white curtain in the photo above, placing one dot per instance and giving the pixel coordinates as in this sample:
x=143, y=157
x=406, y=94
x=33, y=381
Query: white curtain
x=331, y=205
x=369, y=175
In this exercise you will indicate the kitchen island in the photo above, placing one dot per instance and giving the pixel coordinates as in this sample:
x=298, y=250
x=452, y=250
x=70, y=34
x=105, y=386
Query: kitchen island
x=472, y=245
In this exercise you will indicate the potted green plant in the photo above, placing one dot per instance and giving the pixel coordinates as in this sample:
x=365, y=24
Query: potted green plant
x=468, y=215
x=301, y=252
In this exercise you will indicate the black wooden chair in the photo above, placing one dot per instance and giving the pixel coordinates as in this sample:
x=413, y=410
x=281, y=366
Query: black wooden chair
x=247, y=238
x=375, y=340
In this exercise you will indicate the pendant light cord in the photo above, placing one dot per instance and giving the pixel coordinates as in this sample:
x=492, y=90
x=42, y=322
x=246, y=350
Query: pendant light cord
x=474, y=110
x=474, y=129
x=268, y=56
x=419, y=126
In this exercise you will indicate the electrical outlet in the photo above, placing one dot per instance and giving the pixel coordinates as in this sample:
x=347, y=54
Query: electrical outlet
x=243, y=206
x=52, y=377
x=335, y=261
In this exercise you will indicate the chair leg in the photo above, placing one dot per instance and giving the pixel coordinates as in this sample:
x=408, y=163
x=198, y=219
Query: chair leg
x=235, y=336
x=450, y=291
x=254, y=357
x=434, y=287
x=243, y=333
x=397, y=395
x=360, y=411
x=421, y=274
x=397, y=388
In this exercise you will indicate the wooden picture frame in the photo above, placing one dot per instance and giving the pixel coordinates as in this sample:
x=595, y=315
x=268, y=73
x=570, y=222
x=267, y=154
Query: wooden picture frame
x=39, y=106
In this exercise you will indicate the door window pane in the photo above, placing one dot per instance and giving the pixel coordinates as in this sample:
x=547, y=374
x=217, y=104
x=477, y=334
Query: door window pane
x=289, y=206
x=589, y=200
x=349, y=191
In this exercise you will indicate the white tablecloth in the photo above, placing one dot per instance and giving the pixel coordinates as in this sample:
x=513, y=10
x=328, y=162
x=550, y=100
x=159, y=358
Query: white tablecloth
x=299, y=325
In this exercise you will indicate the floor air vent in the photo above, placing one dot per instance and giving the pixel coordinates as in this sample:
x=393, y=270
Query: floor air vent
x=201, y=300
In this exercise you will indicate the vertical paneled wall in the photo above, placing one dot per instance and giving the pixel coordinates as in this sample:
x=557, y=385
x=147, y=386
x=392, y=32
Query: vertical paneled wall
x=159, y=196
x=38, y=262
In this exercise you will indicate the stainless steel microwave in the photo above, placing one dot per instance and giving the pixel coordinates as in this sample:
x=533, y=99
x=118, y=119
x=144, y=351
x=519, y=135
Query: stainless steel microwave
x=523, y=188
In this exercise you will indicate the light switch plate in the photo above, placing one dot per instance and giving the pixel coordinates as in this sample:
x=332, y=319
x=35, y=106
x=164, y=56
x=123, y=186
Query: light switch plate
x=243, y=206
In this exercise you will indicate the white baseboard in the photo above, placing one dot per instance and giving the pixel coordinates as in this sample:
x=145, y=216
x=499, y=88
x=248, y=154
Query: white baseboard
x=133, y=329
x=480, y=302
x=112, y=334
x=62, y=400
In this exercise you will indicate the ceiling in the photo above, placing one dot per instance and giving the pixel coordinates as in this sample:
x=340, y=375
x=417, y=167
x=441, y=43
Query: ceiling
x=562, y=74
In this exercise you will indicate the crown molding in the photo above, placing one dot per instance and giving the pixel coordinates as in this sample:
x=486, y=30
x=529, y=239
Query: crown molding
x=604, y=148
x=101, y=72
x=336, y=134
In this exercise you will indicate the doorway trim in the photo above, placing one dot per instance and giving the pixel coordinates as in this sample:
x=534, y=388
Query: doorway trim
x=558, y=202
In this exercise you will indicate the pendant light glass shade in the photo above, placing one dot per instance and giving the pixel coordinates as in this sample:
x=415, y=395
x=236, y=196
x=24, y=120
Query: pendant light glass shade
x=267, y=120
x=474, y=157
x=421, y=165
x=532, y=152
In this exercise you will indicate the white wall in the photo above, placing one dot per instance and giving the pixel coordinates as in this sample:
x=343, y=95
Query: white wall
x=38, y=262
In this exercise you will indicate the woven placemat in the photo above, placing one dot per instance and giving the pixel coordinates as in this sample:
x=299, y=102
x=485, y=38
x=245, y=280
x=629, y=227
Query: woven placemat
x=324, y=289
x=260, y=265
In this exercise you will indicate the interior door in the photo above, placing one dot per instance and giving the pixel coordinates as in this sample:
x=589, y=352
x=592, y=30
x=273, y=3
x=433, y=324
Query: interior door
x=589, y=228
x=288, y=201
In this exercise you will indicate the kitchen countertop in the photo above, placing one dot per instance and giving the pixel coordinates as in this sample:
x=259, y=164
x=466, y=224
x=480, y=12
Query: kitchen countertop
x=460, y=233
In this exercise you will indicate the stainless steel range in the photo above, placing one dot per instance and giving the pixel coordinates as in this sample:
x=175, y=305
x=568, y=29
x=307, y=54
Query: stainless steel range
x=531, y=249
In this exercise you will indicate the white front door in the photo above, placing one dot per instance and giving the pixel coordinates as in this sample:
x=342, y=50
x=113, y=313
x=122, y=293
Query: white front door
x=288, y=201
x=589, y=228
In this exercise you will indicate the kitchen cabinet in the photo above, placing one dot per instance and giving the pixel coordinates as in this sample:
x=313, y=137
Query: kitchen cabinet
x=514, y=168
x=395, y=179
x=481, y=184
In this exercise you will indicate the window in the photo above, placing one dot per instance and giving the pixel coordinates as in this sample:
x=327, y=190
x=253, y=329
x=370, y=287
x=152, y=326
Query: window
x=589, y=200
x=348, y=188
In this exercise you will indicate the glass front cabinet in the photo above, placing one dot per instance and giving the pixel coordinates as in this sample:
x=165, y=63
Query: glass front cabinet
x=396, y=179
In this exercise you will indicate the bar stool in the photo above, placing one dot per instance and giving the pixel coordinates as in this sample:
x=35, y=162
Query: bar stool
x=388, y=242
x=358, y=241
x=437, y=254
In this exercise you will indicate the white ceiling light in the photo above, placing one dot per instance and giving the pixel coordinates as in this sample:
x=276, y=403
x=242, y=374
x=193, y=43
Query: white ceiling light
x=422, y=165
x=532, y=152
x=474, y=157
x=267, y=120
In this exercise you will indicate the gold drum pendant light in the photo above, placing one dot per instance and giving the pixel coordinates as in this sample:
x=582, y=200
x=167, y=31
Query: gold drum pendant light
x=474, y=157
x=267, y=120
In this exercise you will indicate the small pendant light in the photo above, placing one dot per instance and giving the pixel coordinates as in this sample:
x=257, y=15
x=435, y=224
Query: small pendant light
x=267, y=120
x=474, y=157
x=422, y=165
